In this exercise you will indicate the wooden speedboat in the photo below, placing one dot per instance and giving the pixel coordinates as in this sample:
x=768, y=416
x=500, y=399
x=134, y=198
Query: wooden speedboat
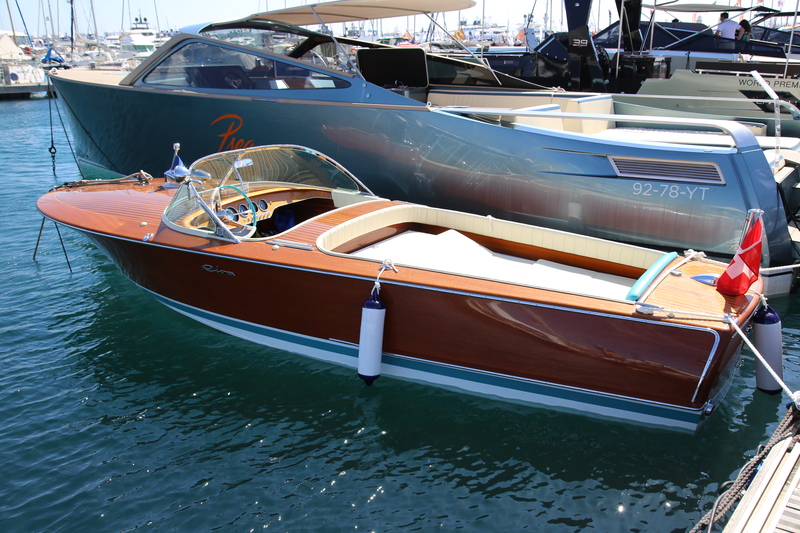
x=282, y=246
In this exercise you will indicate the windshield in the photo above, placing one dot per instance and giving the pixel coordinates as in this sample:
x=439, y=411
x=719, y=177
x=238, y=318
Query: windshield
x=263, y=166
x=234, y=185
x=312, y=49
x=211, y=65
x=320, y=50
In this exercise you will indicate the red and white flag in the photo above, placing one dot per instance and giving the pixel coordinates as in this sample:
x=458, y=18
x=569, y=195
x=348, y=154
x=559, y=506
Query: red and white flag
x=743, y=269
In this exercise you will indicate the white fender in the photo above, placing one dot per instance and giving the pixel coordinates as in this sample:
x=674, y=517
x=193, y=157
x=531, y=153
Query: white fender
x=370, y=343
x=768, y=340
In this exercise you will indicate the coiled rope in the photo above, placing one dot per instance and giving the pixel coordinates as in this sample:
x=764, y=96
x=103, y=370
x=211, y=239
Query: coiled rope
x=787, y=428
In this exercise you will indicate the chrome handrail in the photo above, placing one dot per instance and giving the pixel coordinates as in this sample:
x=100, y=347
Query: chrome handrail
x=738, y=133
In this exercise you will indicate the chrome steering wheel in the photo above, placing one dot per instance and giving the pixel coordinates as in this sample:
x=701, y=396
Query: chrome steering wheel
x=240, y=230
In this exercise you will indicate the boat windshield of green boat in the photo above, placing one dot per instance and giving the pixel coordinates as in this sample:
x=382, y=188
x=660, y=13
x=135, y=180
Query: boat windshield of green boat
x=291, y=42
x=230, y=189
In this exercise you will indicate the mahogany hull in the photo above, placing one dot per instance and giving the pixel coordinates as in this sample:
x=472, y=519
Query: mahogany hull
x=518, y=343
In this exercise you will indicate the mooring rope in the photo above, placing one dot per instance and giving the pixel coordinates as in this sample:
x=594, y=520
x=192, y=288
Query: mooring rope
x=651, y=309
x=787, y=428
x=52, y=148
x=51, y=94
x=794, y=396
x=762, y=269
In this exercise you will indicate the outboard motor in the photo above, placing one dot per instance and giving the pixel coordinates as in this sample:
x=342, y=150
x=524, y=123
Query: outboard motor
x=583, y=59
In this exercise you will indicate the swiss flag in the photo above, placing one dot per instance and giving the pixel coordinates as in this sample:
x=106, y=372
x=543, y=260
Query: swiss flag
x=743, y=269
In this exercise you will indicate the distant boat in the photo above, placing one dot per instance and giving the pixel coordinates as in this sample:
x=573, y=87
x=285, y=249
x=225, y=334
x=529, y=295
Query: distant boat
x=138, y=42
x=681, y=59
x=282, y=246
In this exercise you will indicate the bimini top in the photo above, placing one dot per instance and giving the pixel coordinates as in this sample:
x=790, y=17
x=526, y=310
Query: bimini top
x=355, y=10
x=672, y=5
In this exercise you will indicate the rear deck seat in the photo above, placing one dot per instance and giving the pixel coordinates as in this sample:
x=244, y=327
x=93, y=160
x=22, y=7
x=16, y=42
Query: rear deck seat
x=502, y=229
x=442, y=98
x=598, y=105
x=552, y=121
x=595, y=104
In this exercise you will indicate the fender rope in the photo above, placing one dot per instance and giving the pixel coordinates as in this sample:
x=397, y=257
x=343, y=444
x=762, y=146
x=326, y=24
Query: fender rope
x=386, y=265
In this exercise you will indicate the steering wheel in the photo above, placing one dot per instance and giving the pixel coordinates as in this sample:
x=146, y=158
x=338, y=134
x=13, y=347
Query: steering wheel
x=243, y=231
x=234, y=81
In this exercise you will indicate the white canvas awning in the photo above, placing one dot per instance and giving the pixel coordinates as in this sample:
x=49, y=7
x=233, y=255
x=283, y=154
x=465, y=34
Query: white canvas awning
x=356, y=10
x=705, y=8
x=8, y=50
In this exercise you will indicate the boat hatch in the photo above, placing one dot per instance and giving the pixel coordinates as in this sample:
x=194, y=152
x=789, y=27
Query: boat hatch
x=246, y=193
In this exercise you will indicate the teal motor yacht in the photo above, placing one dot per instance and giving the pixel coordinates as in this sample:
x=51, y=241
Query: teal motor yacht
x=447, y=133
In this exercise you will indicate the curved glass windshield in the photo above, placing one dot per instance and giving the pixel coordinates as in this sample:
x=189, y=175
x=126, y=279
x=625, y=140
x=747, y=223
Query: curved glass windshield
x=205, y=65
x=292, y=42
x=244, y=194
x=263, y=166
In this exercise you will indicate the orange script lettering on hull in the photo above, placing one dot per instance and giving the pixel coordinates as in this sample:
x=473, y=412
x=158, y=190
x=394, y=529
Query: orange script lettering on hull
x=229, y=142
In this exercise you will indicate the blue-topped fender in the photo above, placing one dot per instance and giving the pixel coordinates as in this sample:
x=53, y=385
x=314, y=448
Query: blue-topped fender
x=650, y=274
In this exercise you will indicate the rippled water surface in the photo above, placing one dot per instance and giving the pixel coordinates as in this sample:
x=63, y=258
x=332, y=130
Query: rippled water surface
x=116, y=414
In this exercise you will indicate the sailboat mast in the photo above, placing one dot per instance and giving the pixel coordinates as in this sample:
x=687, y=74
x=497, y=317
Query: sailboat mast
x=791, y=40
x=94, y=21
x=53, y=34
x=483, y=22
x=13, y=31
x=158, y=26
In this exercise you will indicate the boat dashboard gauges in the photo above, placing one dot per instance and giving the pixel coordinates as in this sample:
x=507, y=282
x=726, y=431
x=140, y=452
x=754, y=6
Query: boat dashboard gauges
x=232, y=214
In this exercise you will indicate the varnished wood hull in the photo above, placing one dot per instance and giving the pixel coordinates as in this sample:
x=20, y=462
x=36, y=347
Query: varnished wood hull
x=518, y=343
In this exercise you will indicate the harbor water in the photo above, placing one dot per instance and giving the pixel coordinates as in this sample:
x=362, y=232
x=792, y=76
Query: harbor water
x=117, y=414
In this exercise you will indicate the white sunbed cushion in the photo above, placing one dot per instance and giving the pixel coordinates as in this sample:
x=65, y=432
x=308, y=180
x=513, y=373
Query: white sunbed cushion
x=550, y=275
x=449, y=251
x=409, y=248
x=453, y=252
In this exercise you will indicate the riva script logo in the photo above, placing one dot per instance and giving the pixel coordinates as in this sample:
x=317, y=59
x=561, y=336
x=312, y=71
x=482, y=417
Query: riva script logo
x=216, y=270
x=233, y=123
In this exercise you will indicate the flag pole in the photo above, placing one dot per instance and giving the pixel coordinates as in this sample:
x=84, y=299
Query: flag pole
x=750, y=219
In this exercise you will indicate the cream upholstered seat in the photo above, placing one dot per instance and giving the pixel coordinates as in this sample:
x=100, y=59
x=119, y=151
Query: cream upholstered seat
x=455, y=253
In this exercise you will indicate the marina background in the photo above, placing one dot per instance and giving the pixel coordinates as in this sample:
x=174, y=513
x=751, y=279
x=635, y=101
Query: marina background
x=171, y=15
x=117, y=413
